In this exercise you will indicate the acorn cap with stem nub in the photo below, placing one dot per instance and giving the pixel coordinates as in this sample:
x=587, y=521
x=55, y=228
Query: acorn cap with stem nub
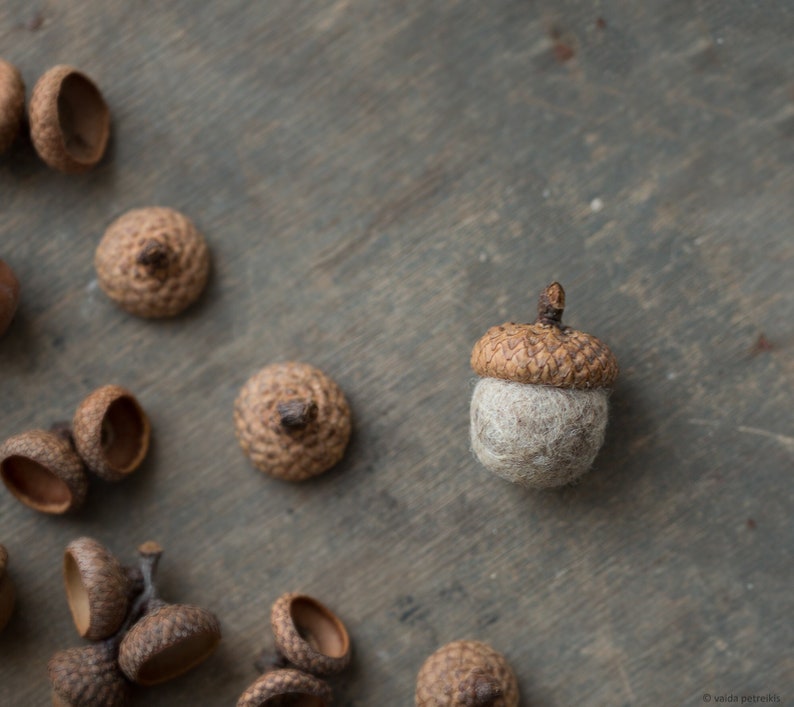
x=111, y=432
x=7, y=591
x=12, y=103
x=69, y=120
x=546, y=352
x=152, y=262
x=43, y=471
x=97, y=588
x=466, y=674
x=292, y=421
x=169, y=639
x=309, y=635
x=286, y=686
x=88, y=676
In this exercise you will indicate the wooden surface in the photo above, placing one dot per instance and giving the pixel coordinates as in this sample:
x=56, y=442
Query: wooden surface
x=379, y=183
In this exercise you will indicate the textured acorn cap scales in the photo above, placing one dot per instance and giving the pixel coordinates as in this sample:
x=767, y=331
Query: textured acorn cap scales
x=286, y=687
x=292, y=421
x=88, y=676
x=152, y=262
x=12, y=103
x=43, y=471
x=309, y=635
x=7, y=591
x=111, y=432
x=69, y=120
x=96, y=588
x=9, y=296
x=466, y=674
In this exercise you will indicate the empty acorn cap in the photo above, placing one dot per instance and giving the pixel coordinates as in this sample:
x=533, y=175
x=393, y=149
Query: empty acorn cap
x=292, y=421
x=9, y=296
x=87, y=676
x=152, y=262
x=546, y=352
x=12, y=103
x=309, y=635
x=167, y=642
x=466, y=674
x=43, y=471
x=96, y=588
x=7, y=592
x=298, y=689
x=111, y=432
x=69, y=120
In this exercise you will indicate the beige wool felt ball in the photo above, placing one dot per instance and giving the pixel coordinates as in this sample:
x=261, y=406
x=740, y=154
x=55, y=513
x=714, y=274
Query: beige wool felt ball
x=539, y=412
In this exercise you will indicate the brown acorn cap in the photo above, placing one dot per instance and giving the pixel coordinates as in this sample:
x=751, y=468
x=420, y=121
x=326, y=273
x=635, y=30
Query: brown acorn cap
x=43, y=471
x=88, y=676
x=152, y=262
x=286, y=686
x=466, y=674
x=7, y=591
x=292, y=421
x=69, y=120
x=546, y=352
x=309, y=635
x=111, y=432
x=12, y=103
x=167, y=642
x=9, y=296
x=96, y=588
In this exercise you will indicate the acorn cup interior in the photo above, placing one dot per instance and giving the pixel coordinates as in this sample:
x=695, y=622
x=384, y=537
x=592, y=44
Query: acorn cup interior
x=83, y=118
x=319, y=627
x=294, y=700
x=35, y=485
x=174, y=660
x=76, y=594
x=124, y=434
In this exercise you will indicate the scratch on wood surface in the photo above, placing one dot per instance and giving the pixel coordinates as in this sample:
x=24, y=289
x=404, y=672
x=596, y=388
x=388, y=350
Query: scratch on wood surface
x=785, y=440
x=677, y=96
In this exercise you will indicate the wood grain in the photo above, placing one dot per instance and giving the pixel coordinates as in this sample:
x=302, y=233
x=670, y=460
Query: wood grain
x=379, y=183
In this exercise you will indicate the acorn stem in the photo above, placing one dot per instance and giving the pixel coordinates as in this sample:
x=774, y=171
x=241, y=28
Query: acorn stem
x=551, y=305
x=269, y=660
x=154, y=256
x=297, y=413
x=63, y=429
x=150, y=553
x=482, y=690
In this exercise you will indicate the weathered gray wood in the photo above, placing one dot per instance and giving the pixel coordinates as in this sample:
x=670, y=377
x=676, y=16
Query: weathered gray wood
x=380, y=182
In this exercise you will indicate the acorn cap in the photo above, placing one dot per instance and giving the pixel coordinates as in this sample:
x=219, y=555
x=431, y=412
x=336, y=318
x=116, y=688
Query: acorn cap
x=69, y=120
x=96, y=588
x=292, y=421
x=111, y=432
x=87, y=676
x=152, y=262
x=9, y=296
x=546, y=352
x=7, y=592
x=167, y=642
x=301, y=689
x=309, y=635
x=466, y=674
x=43, y=471
x=12, y=103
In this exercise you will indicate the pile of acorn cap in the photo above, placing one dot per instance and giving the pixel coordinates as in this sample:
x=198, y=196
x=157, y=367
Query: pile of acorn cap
x=46, y=469
x=138, y=637
x=311, y=643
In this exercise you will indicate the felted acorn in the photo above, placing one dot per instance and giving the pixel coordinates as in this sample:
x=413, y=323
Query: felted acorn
x=309, y=635
x=9, y=296
x=152, y=262
x=111, y=432
x=7, y=590
x=539, y=412
x=466, y=674
x=88, y=676
x=286, y=686
x=169, y=639
x=12, y=104
x=42, y=470
x=69, y=120
x=97, y=588
x=292, y=421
